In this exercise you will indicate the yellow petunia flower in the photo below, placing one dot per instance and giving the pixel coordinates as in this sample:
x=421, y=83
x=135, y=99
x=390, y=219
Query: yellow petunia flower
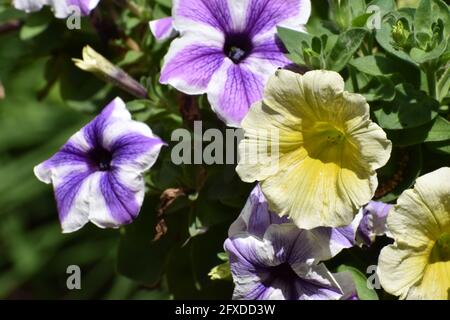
x=417, y=265
x=327, y=149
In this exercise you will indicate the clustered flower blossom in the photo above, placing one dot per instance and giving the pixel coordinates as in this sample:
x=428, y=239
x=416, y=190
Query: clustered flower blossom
x=228, y=49
x=98, y=174
x=61, y=8
x=314, y=202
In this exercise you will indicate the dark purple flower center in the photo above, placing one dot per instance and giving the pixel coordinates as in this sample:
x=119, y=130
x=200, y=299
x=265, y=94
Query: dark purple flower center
x=238, y=46
x=283, y=272
x=101, y=158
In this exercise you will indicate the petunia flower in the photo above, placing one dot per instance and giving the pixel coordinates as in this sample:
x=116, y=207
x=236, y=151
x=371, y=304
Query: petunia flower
x=255, y=218
x=417, y=265
x=372, y=222
x=327, y=149
x=272, y=259
x=98, y=174
x=228, y=49
x=283, y=265
x=162, y=29
x=61, y=8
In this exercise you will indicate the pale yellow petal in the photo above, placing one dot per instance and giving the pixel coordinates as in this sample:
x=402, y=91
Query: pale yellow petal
x=399, y=269
x=434, y=191
x=435, y=283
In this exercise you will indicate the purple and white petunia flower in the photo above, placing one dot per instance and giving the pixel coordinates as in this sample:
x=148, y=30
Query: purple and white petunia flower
x=271, y=258
x=162, y=29
x=372, y=222
x=61, y=8
x=255, y=218
x=98, y=174
x=228, y=49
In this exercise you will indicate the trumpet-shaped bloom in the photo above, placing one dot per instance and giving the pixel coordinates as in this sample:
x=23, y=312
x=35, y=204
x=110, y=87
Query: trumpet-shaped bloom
x=228, y=49
x=417, y=265
x=327, y=149
x=98, y=174
x=272, y=259
x=162, y=29
x=61, y=8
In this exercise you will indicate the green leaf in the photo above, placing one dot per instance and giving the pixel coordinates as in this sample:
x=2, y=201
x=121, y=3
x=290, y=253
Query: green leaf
x=379, y=89
x=410, y=109
x=439, y=147
x=360, y=280
x=420, y=56
x=294, y=42
x=375, y=65
x=437, y=130
x=346, y=45
x=35, y=25
x=423, y=17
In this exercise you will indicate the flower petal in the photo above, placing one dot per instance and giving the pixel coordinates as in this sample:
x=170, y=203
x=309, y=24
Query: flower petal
x=198, y=13
x=373, y=221
x=399, y=269
x=232, y=90
x=162, y=29
x=264, y=15
x=86, y=6
x=191, y=62
x=28, y=5
x=298, y=246
x=255, y=217
x=317, y=283
x=72, y=194
x=422, y=214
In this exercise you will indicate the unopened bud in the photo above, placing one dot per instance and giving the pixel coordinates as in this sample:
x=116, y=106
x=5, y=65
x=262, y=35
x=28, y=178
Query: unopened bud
x=100, y=66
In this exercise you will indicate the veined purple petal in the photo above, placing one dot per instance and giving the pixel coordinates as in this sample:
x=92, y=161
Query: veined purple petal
x=264, y=15
x=233, y=89
x=255, y=218
x=271, y=50
x=120, y=200
x=191, y=69
x=163, y=28
x=268, y=269
x=71, y=192
x=214, y=13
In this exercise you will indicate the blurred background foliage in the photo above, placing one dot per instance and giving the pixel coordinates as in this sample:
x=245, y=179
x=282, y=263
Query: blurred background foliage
x=169, y=250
